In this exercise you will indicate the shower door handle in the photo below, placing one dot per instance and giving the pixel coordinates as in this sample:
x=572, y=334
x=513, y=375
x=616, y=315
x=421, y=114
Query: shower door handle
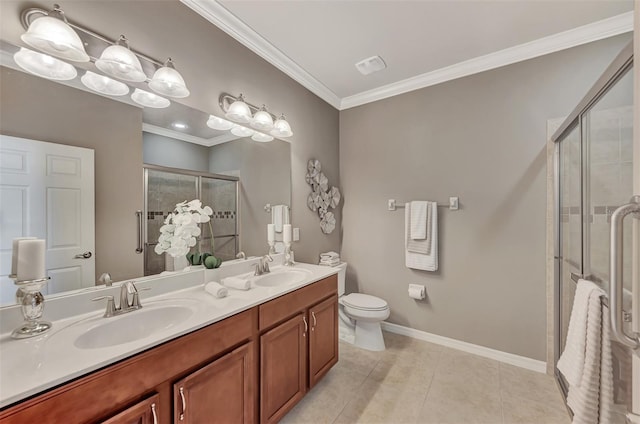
x=139, y=249
x=615, y=279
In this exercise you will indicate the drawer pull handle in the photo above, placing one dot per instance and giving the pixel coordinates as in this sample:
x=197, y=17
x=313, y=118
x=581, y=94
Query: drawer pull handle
x=306, y=327
x=313, y=315
x=153, y=411
x=184, y=404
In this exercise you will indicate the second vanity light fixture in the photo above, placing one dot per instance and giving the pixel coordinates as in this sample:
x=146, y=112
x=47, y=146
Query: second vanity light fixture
x=264, y=125
x=56, y=38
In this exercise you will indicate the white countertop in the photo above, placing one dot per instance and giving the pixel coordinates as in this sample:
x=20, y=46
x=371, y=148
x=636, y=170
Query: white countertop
x=30, y=366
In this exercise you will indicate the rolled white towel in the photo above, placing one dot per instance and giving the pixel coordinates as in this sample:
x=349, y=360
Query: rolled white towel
x=236, y=283
x=216, y=289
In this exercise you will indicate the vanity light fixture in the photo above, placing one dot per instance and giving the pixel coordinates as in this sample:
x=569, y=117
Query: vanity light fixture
x=148, y=99
x=104, y=85
x=260, y=137
x=241, y=131
x=219, y=124
x=239, y=110
x=168, y=82
x=53, y=35
x=120, y=62
x=44, y=66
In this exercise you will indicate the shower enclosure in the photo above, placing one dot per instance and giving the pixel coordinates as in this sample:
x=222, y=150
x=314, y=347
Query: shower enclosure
x=164, y=187
x=594, y=165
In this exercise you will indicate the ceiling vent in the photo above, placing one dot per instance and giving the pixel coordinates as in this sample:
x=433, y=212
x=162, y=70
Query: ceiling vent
x=370, y=65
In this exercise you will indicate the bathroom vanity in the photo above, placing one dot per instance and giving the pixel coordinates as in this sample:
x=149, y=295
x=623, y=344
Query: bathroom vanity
x=255, y=356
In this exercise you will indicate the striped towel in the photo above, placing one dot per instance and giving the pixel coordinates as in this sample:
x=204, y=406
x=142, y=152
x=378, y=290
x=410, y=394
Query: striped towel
x=589, y=371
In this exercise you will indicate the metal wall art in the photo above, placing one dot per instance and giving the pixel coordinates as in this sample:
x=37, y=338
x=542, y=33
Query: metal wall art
x=322, y=197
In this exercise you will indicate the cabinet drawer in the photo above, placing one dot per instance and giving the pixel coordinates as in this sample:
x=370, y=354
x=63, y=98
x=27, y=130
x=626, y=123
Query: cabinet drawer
x=292, y=303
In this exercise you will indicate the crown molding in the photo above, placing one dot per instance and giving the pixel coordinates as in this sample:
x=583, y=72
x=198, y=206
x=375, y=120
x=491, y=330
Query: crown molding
x=563, y=40
x=221, y=17
x=178, y=135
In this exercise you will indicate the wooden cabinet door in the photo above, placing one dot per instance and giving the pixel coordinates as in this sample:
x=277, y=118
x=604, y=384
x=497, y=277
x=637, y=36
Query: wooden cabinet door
x=323, y=338
x=283, y=365
x=145, y=412
x=221, y=392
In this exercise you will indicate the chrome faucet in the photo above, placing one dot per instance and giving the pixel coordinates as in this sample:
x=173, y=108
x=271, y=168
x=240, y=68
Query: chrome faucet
x=262, y=267
x=125, y=305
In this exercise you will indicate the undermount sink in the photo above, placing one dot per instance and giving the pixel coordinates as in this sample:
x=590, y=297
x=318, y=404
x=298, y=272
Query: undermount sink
x=281, y=277
x=133, y=325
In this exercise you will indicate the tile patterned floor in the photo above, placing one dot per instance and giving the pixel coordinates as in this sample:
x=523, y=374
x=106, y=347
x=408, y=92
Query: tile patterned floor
x=419, y=382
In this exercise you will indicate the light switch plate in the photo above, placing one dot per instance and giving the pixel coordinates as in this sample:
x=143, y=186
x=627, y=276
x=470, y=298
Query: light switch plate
x=296, y=234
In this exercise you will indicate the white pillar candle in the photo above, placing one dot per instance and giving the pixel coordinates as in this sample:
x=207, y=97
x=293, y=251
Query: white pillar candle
x=271, y=232
x=31, y=264
x=286, y=233
x=14, y=253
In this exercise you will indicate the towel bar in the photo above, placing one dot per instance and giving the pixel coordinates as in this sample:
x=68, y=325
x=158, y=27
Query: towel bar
x=453, y=204
x=626, y=316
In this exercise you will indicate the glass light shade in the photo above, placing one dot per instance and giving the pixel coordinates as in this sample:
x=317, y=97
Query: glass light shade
x=263, y=138
x=53, y=36
x=148, y=99
x=262, y=120
x=281, y=128
x=219, y=123
x=242, y=131
x=104, y=85
x=168, y=82
x=239, y=111
x=44, y=65
x=120, y=62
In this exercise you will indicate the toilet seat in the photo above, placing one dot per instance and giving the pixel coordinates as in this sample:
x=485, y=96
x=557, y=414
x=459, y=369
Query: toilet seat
x=364, y=302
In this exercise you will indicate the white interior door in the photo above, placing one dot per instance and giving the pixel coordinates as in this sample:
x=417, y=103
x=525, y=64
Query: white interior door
x=47, y=191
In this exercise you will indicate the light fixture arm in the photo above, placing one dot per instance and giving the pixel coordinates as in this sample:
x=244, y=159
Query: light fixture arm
x=226, y=99
x=30, y=14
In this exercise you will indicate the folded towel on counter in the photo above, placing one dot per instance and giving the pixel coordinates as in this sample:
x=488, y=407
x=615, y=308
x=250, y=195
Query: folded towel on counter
x=333, y=262
x=587, y=361
x=418, y=216
x=418, y=260
x=216, y=289
x=236, y=283
x=329, y=255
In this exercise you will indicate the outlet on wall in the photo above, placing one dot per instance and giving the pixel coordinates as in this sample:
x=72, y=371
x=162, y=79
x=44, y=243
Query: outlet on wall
x=296, y=234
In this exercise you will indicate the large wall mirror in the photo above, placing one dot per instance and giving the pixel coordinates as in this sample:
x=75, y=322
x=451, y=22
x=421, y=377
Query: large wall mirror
x=128, y=142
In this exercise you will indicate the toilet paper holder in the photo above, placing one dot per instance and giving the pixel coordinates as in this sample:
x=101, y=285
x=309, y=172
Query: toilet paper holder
x=417, y=291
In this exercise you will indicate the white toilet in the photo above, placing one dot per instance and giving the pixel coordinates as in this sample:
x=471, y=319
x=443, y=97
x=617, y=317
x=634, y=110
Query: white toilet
x=360, y=316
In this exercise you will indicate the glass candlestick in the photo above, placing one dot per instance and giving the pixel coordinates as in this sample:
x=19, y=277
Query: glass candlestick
x=288, y=255
x=272, y=247
x=32, y=307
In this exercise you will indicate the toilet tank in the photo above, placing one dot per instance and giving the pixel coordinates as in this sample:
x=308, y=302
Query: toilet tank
x=342, y=274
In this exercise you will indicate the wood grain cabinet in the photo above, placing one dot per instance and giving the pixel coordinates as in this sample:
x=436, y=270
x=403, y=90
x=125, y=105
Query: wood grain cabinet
x=144, y=412
x=220, y=392
x=323, y=338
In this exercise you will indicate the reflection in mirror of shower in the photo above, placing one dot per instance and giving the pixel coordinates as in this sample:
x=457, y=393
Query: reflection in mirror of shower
x=221, y=195
x=164, y=190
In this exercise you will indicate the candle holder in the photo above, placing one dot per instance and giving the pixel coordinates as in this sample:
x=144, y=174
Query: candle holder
x=288, y=255
x=272, y=247
x=32, y=307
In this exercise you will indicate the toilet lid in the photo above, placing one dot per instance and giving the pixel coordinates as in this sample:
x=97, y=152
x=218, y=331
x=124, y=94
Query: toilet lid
x=364, y=302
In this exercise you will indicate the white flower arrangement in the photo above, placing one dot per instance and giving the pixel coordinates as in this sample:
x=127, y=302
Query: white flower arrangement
x=180, y=230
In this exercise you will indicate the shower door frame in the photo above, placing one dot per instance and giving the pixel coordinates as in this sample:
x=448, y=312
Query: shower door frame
x=616, y=71
x=199, y=175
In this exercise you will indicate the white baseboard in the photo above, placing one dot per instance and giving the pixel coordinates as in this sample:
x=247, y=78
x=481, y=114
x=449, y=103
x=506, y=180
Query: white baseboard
x=507, y=358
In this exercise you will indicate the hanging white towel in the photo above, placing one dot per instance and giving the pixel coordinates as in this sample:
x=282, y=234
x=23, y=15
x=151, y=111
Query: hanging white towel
x=419, y=219
x=279, y=216
x=422, y=246
x=586, y=361
x=418, y=260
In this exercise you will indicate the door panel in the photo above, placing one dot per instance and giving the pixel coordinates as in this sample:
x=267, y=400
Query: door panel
x=323, y=338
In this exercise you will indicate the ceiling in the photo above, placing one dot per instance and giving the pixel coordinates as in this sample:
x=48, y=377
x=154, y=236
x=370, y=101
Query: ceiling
x=422, y=42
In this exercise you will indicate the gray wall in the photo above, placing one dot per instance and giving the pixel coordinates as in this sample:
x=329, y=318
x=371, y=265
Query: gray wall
x=166, y=151
x=481, y=138
x=265, y=177
x=42, y=110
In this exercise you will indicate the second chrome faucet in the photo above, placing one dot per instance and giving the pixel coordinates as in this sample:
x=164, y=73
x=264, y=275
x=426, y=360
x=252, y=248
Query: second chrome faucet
x=125, y=305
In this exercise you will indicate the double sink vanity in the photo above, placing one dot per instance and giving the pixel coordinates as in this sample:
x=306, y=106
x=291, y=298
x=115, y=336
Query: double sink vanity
x=185, y=356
